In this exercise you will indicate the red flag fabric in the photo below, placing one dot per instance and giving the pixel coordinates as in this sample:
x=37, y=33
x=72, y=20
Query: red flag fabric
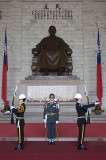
x=4, y=75
x=99, y=72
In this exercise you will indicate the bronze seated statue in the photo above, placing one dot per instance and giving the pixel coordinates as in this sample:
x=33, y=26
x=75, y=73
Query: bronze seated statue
x=52, y=54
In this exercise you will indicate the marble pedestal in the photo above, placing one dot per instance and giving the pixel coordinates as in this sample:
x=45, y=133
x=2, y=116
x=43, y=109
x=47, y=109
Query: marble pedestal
x=64, y=88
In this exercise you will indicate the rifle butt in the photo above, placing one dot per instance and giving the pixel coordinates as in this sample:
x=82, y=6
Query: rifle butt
x=12, y=120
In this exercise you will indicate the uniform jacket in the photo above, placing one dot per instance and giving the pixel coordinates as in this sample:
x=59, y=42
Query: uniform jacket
x=19, y=112
x=81, y=110
x=52, y=112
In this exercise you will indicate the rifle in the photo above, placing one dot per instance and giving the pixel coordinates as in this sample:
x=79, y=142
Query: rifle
x=88, y=110
x=13, y=101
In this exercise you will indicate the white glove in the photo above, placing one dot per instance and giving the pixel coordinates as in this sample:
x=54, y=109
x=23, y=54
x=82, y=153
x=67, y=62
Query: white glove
x=97, y=103
x=7, y=112
x=46, y=116
x=89, y=110
x=45, y=120
x=57, y=122
x=12, y=107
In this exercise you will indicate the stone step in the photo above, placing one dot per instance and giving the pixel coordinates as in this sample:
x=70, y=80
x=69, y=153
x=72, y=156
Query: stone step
x=42, y=103
x=38, y=107
x=63, y=118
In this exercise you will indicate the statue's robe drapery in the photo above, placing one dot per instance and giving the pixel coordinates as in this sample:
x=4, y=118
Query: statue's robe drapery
x=52, y=53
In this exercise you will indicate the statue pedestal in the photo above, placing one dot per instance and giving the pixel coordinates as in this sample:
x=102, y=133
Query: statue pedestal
x=41, y=93
x=64, y=88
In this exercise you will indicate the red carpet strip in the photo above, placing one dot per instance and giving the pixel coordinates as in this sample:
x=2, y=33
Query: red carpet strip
x=64, y=130
x=59, y=151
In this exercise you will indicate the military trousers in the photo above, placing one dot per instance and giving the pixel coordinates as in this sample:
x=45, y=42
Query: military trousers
x=51, y=130
x=20, y=132
x=81, y=133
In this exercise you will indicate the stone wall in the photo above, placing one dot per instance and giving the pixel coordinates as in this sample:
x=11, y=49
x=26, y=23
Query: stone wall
x=24, y=31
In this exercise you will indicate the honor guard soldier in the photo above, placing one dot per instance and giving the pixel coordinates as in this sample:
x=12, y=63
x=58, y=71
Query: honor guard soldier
x=19, y=112
x=51, y=117
x=81, y=121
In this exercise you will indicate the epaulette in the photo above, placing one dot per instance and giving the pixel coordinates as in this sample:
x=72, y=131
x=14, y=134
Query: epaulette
x=81, y=105
x=45, y=104
x=48, y=102
x=55, y=102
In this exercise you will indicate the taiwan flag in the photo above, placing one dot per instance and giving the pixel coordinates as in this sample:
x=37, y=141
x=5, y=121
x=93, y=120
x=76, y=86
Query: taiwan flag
x=4, y=75
x=99, y=72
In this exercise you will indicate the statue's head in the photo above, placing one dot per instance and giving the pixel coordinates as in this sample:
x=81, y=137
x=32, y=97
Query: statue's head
x=52, y=30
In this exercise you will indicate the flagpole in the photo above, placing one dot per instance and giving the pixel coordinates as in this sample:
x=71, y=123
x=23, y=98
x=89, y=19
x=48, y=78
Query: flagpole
x=4, y=74
x=99, y=72
x=7, y=106
x=7, y=72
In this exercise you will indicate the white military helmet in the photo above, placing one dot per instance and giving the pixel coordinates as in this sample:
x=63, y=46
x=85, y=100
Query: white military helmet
x=22, y=96
x=78, y=96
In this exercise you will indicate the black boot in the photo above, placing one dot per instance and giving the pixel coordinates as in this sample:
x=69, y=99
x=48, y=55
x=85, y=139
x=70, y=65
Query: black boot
x=45, y=72
x=60, y=71
x=53, y=142
x=20, y=147
x=81, y=147
x=50, y=142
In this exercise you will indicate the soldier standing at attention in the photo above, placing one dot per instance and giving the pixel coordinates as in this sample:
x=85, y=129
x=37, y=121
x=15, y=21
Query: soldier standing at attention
x=19, y=112
x=51, y=117
x=81, y=121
